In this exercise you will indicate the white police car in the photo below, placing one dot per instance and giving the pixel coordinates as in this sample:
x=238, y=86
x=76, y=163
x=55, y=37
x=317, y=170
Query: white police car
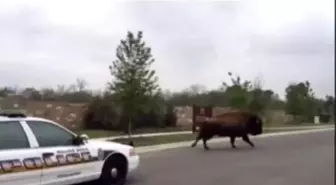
x=36, y=151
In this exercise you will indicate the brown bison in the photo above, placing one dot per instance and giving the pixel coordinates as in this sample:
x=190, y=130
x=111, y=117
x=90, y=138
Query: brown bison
x=229, y=124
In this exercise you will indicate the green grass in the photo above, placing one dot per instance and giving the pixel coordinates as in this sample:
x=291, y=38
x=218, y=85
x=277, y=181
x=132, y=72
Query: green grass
x=156, y=140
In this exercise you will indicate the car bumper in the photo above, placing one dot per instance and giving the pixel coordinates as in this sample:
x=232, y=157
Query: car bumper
x=133, y=163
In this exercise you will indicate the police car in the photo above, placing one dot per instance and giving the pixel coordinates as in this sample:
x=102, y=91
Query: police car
x=37, y=151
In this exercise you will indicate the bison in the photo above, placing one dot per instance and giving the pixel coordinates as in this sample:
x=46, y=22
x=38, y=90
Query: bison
x=230, y=124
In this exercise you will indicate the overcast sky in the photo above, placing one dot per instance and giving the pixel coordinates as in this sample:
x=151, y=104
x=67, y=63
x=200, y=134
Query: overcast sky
x=45, y=43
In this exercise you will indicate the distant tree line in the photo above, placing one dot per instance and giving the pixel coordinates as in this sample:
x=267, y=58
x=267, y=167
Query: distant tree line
x=133, y=98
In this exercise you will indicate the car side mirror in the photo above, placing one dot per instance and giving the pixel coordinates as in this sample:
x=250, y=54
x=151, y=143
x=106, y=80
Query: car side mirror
x=80, y=139
x=131, y=143
x=84, y=137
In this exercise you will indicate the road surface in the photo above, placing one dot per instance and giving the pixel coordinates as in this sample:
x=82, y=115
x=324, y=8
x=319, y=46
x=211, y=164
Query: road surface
x=305, y=159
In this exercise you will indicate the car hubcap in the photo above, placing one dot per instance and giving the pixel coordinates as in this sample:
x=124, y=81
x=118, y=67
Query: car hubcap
x=114, y=173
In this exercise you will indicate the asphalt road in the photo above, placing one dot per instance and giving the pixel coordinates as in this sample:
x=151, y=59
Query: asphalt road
x=305, y=159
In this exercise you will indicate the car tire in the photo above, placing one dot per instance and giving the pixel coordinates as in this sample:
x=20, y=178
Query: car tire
x=114, y=171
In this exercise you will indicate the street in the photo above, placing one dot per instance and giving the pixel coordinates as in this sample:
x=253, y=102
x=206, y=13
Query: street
x=305, y=159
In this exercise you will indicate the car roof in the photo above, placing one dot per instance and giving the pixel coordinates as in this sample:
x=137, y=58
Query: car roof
x=22, y=117
x=28, y=118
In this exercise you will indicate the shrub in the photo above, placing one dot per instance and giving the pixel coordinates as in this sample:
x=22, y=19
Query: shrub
x=101, y=114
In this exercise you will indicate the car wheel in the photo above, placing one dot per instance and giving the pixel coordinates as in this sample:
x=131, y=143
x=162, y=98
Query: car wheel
x=114, y=171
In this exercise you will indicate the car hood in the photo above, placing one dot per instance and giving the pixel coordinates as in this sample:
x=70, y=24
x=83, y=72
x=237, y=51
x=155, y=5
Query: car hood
x=110, y=145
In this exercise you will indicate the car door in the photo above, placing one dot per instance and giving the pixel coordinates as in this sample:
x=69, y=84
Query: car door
x=66, y=163
x=19, y=164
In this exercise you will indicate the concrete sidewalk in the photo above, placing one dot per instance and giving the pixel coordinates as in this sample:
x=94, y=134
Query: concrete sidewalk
x=190, y=132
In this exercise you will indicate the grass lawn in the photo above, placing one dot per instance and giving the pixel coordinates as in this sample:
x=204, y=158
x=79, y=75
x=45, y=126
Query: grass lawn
x=155, y=140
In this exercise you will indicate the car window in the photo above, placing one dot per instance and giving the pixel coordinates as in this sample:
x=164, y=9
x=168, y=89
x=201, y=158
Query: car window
x=12, y=136
x=48, y=134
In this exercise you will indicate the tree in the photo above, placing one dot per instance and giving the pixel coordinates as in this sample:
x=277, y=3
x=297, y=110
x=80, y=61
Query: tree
x=300, y=100
x=101, y=114
x=259, y=99
x=48, y=94
x=134, y=83
x=60, y=89
x=170, y=117
x=238, y=92
x=5, y=91
x=196, y=89
x=81, y=84
x=31, y=93
x=328, y=106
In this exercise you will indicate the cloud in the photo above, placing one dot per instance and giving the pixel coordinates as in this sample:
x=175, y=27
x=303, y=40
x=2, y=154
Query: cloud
x=193, y=42
x=312, y=36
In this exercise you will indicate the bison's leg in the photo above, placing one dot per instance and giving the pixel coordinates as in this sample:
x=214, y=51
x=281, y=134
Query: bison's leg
x=205, y=144
x=247, y=140
x=196, y=141
x=232, y=141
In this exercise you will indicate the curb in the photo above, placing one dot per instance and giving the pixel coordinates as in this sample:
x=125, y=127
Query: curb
x=161, y=147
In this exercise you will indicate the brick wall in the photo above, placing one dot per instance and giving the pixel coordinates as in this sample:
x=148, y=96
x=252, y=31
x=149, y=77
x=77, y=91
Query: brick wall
x=70, y=114
x=184, y=115
x=67, y=114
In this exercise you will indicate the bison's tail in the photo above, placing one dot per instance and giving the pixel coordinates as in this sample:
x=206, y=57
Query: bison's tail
x=193, y=128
